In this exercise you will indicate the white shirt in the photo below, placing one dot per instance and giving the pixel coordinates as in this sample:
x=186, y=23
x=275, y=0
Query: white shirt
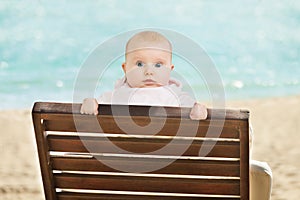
x=169, y=95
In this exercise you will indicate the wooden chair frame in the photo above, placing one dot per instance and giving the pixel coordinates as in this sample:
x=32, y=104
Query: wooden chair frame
x=71, y=171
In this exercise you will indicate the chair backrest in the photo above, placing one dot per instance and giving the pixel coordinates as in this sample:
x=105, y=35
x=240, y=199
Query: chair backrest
x=122, y=153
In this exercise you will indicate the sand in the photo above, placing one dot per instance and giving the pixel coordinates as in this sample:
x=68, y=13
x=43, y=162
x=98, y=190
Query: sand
x=276, y=125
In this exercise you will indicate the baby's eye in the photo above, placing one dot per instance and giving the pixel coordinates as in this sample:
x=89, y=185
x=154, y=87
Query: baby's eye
x=158, y=65
x=139, y=64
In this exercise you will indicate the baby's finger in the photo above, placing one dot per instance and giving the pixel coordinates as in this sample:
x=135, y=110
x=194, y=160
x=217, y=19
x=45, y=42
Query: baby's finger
x=82, y=111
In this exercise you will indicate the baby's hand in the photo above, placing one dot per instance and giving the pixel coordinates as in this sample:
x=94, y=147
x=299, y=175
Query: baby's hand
x=89, y=106
x=198, y=112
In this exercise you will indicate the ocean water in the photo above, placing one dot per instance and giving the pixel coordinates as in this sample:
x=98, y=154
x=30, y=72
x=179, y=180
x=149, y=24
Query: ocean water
x=255, y=45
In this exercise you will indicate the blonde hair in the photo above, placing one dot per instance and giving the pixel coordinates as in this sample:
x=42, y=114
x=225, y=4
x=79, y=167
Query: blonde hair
x=148, y=39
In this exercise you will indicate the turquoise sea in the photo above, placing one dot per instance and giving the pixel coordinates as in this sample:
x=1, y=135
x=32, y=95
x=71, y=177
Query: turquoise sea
x=254, y=44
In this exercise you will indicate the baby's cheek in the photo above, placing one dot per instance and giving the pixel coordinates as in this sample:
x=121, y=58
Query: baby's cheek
x=134, y=78
x=163, y=77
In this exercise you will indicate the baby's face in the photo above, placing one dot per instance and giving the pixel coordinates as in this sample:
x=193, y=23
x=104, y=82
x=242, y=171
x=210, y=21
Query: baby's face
x=148, y=68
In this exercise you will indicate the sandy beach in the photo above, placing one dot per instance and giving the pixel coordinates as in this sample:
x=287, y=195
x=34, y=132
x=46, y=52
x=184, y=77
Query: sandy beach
x=276, y=125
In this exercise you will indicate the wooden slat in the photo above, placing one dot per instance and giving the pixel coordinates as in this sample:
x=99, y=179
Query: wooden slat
x=92, y=196
x=147, y=184
x=122, y=110
x=188, y=167
x=188, y=128
x=142, y=145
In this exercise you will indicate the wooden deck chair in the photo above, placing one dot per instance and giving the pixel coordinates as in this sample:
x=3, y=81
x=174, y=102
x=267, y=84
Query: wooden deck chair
x=80, y=160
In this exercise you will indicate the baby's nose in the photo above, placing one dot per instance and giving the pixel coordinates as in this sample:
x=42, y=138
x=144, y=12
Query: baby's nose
x=148, y=70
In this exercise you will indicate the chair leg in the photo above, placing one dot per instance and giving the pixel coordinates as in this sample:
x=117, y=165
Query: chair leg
x=260, y=180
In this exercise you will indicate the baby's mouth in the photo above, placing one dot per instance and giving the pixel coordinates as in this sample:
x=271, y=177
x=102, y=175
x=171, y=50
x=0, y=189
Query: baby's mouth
x=150, y=82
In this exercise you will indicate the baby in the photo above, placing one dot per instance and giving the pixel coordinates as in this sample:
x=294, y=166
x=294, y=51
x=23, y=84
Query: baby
x=147, y=81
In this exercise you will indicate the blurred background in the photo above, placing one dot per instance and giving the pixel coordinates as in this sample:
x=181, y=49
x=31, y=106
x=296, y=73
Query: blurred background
x=255, y=45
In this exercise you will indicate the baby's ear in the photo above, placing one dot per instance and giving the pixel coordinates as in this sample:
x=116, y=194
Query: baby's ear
x=124, y=67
